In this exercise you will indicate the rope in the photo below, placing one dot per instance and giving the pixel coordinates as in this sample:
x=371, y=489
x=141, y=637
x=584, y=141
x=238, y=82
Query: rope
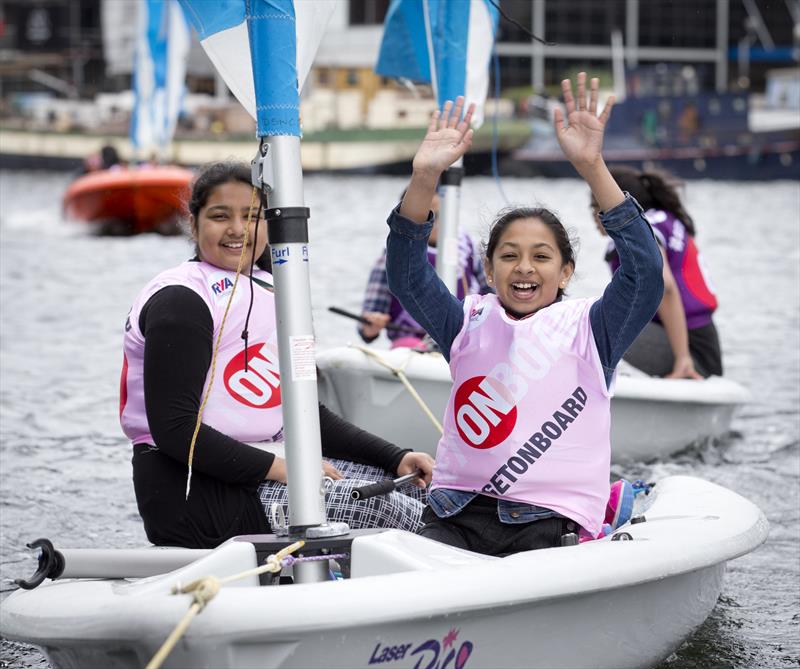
x=203, y=590
x=404, y=380
x=219, y=339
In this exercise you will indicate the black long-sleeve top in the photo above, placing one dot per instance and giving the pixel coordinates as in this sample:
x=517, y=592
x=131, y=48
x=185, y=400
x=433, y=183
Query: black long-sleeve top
x=178, y=330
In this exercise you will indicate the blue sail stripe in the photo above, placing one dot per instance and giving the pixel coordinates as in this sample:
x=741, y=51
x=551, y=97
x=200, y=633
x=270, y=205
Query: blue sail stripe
x=273, y=49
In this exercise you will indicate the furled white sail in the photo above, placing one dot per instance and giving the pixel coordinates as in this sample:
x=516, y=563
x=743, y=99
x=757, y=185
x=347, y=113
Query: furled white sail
x=162, y=47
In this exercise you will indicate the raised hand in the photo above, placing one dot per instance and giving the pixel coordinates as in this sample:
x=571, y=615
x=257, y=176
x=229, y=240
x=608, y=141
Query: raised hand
x=447, y=139
x=582, y=140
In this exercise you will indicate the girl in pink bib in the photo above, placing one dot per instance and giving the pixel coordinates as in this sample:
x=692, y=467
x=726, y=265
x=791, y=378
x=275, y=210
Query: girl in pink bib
x=239, y=472
x=525, y=453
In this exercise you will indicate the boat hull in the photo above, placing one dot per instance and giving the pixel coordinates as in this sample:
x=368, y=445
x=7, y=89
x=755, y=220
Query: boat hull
x=650, y=418
x=143, y=200
x=412, y=602
x=554, y=636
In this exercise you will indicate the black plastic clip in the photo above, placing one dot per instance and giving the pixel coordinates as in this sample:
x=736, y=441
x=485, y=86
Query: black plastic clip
x=261, y=175
x=51, y=565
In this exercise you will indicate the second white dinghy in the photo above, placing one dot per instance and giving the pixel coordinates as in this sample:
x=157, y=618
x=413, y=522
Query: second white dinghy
x=650, y=417
x=627, y=600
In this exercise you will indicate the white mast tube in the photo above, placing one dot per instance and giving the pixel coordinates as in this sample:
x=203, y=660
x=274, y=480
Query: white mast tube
x=447, y=237
x=450, y=188
x=426, y=15
x=287, y=226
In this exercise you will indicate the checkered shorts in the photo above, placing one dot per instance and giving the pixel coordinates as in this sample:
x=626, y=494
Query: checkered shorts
x=401, y=509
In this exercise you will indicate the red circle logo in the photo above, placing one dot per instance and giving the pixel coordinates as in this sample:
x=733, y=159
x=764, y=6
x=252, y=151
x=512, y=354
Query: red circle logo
x=258, y=387
x=484, y=412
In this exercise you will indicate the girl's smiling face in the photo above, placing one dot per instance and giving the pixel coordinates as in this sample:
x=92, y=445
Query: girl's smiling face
x=526, y=268
x=219, y=227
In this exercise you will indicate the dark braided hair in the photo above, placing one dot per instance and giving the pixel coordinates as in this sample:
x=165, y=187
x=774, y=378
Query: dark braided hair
x=216, y=174
x=507, y=216
x=653, y=190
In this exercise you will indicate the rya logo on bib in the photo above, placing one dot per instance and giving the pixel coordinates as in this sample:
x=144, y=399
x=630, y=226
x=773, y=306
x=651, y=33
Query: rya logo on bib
x=476, y=316
x=258, y=387
x=485, y=412
x=221, y=285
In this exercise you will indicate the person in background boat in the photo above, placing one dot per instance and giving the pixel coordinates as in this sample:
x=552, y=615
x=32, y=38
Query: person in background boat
x=382, y=308
x=169, y=348
x=681, y=341
x=106, y=159
x=525, y=454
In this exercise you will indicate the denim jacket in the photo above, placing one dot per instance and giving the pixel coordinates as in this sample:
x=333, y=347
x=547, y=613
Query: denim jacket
x=628, y=303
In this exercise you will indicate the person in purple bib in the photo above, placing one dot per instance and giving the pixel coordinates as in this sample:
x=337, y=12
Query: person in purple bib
x=681, y=342
x=383, y=309
x=525, y=454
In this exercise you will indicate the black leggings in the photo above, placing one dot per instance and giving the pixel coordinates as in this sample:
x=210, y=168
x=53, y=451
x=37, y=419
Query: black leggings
x=477, y=528
x=652, y=354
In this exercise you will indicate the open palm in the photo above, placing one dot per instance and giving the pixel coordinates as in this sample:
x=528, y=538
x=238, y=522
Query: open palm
x=447, y=139
x=582, y=140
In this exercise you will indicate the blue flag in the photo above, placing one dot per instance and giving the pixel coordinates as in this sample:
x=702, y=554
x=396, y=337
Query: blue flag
x=457, y=37
x=162, y=47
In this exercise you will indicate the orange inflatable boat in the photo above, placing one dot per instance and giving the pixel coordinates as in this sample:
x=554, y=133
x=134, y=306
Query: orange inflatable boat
x=130, y=200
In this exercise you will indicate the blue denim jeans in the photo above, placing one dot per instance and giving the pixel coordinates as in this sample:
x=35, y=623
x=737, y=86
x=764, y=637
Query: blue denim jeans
x=447, y=503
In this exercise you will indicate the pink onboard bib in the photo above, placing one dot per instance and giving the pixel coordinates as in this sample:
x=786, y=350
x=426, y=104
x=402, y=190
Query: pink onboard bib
x=245, y=405
x=529, y=415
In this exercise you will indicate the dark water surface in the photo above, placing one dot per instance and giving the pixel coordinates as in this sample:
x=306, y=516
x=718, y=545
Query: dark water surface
x=64, y=294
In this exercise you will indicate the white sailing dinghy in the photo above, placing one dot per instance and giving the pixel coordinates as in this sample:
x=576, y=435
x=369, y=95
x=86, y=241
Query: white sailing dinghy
x=408, y=601
x=370, y=597
x=650, y=417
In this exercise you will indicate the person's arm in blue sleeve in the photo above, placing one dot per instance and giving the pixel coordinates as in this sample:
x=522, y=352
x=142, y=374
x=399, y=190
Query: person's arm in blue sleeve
x=632, y=297
x=413, y=280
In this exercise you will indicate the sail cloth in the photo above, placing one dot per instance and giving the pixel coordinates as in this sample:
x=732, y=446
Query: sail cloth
x=263, y=49
x=461, y=39
x=162, y=47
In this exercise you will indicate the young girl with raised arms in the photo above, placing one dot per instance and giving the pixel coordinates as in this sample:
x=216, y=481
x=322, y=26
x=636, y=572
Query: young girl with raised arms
x=525, y=453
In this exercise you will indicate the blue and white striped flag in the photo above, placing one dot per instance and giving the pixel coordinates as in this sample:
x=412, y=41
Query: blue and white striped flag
x=459, y=34
x=162, y=47
x=263, y=49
